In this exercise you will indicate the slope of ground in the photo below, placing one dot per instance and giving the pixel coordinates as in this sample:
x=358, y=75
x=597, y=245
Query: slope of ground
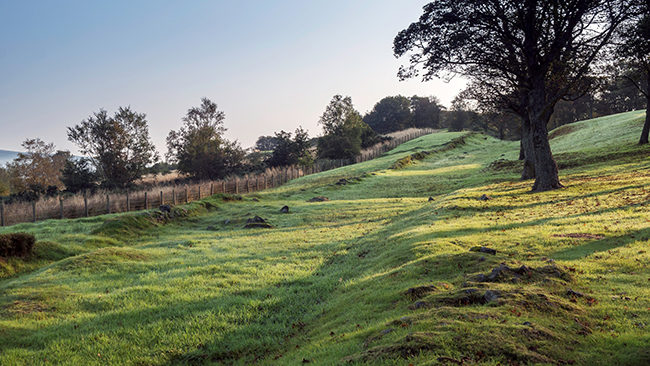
x=377, y=274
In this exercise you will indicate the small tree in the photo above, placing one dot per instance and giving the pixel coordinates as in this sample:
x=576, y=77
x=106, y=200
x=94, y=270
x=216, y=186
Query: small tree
x=199, y=148
x=39, y=168
x=118, y=146
x=78, y=175
x=291, y=151
x=345, y=131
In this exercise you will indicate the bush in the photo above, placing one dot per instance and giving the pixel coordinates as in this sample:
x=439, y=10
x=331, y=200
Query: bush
x=16, y=244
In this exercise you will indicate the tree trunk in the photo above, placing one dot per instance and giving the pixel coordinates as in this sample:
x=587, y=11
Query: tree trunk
x=526, y=152
x=546, y=171
x=646, y=125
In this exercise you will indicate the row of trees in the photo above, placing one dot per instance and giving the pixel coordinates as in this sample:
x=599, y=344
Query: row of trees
x=525, y=57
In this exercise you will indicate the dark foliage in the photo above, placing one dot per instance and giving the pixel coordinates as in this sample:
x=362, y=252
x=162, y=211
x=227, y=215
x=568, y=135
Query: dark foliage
x=291, y=150
x=266, y=143
x=399, y=113
x=16, y=244
x=77, y=175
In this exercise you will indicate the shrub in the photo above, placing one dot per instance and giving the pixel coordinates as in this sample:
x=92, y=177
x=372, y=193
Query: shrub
x=16, y=244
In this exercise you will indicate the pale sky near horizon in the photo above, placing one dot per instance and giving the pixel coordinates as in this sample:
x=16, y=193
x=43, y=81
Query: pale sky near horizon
x=269, y=65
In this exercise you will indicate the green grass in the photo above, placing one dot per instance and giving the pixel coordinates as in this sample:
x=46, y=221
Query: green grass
x=328, y=283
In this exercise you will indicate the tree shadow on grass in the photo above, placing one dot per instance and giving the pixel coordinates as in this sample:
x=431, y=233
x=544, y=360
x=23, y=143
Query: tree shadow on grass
x=601, y=245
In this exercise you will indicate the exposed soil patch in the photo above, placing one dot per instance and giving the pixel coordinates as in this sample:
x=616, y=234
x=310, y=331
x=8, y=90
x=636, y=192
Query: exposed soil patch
x=504, y=273
x=318, y=199
x=419, y=292
x=503, y=165
x=483, y=250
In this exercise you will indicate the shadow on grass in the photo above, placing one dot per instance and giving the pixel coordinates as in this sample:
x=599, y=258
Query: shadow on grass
x=602, y=245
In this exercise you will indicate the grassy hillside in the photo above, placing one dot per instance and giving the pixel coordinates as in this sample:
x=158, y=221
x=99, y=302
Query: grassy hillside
x=378, y=274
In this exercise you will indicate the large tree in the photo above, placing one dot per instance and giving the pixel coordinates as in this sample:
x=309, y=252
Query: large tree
x=199, y=147
x=529, y=54
x=118, y=146
x=634, y=53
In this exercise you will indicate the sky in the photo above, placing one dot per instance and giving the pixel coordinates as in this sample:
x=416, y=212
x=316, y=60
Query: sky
x=269, y=65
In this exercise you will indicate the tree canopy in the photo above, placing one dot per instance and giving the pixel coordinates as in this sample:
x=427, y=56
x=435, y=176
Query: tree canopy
x=118, y=146
x=199, y=147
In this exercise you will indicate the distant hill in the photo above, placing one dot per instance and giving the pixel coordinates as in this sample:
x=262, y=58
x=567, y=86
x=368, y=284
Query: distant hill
x=7, y=156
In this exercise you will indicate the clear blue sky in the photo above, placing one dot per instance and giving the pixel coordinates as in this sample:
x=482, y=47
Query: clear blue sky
x=269, y=65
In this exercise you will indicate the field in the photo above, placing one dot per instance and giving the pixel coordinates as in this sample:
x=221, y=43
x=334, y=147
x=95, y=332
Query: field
x=381, y=273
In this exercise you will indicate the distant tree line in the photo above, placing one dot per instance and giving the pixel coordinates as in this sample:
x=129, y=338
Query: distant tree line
x=549, y=63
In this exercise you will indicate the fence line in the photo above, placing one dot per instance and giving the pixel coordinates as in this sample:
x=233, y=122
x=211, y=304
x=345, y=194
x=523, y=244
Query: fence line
x=84, y=205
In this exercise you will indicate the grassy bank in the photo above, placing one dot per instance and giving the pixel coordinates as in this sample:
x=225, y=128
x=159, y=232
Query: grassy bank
x=377, y=274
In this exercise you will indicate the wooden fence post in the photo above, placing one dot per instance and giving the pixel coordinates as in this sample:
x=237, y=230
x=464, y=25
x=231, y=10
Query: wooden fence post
x=146, y=201
x=34, y=211
x=265, y=183
x=128, y=202
x=162, y=198
x=236, y=186
x=223, y=186
x=199, y=191
x=61, y=207
x=174, y=196
x=108, y=203
x=86, y=203
x=2, y=212
x=211, y=188
x=187, y=194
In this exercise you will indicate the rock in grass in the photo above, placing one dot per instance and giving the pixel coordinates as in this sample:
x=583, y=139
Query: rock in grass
x=490, y=296
x=431, y=199
x=284, y=209
x=572, y=293
x=419, y=292
x=485, y=197
x=319, y=199
x=483, y=250
x=257, y=222
x=165, y=208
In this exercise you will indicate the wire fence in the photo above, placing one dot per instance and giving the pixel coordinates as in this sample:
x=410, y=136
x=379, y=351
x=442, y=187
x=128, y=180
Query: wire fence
x=106, y=202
